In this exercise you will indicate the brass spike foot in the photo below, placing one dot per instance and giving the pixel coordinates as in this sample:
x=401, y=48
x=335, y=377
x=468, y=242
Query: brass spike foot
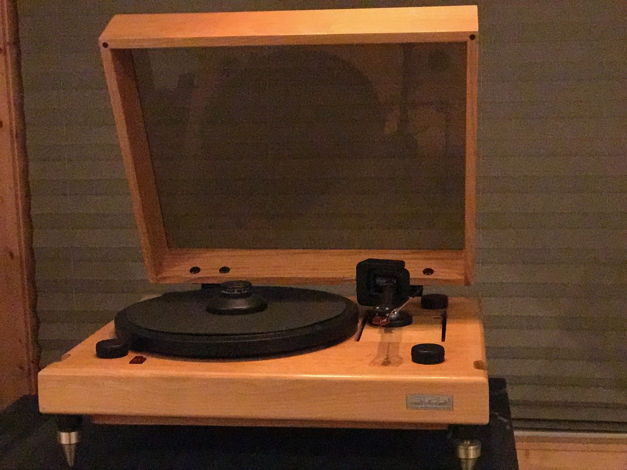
x=468, y=453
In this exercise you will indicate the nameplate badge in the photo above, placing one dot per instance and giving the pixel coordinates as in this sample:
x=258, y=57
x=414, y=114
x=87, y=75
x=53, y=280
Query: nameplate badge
x=429, y=402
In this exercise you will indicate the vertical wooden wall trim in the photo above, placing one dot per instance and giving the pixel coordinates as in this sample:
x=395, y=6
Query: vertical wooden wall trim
x=18, y=351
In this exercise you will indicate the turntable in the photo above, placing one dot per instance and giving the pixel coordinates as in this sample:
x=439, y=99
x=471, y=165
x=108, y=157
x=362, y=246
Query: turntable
x=266, y=150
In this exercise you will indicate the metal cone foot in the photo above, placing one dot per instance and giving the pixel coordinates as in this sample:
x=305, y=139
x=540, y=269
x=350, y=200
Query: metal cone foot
x=69, y=440
x=467, y=464
x=69, y=450
x=468, y=452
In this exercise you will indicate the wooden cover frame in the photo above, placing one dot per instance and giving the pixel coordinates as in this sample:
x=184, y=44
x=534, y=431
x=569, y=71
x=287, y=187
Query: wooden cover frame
x=306, y=27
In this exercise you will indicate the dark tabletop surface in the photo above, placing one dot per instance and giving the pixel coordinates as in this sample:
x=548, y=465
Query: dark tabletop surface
x=28, y=441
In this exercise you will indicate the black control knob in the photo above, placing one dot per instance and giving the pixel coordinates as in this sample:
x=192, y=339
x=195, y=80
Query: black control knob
x=111, y=348
x=427, y=353
x=434, y=301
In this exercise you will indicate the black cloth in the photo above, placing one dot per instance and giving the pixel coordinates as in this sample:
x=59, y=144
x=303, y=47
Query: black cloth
x=28, y=441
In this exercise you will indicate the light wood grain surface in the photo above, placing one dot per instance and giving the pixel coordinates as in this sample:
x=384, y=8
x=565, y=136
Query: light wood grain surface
x=355, y=381
x=292, y=27
x=120, y=75
x=304, y=266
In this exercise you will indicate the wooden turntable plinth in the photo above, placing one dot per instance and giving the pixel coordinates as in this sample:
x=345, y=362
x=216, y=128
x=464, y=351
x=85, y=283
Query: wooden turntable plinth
x=367, y=383
x=254, y=195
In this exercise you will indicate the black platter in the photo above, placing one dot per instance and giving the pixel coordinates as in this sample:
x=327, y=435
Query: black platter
x=237, y=320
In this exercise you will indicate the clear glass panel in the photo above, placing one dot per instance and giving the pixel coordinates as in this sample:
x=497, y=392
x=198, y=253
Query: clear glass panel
x=358, y=147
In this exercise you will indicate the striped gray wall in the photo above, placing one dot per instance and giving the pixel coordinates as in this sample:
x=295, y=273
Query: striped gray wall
x=552, y=191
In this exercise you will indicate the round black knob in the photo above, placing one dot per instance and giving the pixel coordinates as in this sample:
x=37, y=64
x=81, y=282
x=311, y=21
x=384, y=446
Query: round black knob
x=111, y=348
x=427, y=353
x=236, y=288
x=434, y=301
